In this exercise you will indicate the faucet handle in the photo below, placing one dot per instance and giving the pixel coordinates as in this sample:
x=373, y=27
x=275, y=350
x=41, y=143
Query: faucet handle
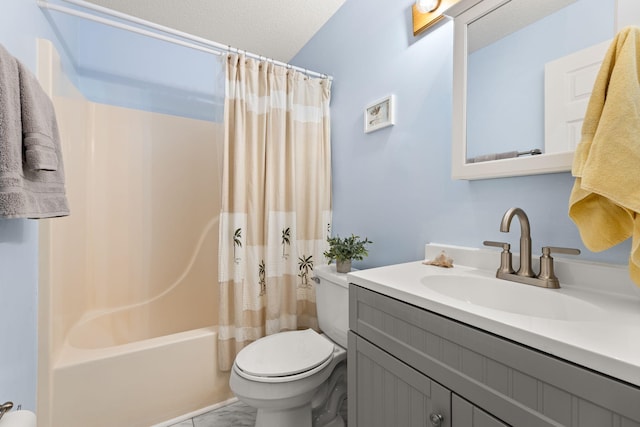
x=505, y=246
x=546, y=250
x=505, y=257
x=547, y=272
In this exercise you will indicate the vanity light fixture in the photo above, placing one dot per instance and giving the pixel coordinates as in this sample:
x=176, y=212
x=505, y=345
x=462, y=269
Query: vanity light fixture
x=427, y=13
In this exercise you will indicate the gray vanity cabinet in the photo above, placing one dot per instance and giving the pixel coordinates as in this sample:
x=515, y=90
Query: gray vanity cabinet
x=407, y=364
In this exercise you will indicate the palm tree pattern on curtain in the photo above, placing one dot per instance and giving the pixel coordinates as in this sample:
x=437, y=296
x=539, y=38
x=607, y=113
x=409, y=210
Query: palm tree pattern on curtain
x=286, y=241
x=262, y=276
x=305, y=265
x=237, y=243
x=276, y=201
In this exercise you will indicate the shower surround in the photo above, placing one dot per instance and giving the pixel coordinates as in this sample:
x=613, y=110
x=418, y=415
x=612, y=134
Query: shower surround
x=128, y=282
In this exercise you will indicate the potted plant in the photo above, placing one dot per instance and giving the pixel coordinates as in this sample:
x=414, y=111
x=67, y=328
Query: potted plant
x=343, y=250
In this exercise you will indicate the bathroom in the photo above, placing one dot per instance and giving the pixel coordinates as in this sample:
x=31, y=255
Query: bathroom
x=393, y=185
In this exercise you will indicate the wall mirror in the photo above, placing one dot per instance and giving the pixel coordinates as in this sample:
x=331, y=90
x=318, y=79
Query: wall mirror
x=507, y=54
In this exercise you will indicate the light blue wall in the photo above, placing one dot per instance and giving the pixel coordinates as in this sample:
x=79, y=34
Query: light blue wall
x=394, y=185
x=21, y=22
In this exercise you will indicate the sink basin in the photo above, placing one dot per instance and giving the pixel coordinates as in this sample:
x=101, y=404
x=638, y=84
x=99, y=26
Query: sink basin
x=511, y=297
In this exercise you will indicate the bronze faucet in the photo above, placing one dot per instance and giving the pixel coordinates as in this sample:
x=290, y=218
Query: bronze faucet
x=546, y=278
x=525, y=239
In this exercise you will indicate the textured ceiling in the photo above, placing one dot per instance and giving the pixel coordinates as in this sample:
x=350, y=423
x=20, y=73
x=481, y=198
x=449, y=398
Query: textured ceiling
x=276, y=29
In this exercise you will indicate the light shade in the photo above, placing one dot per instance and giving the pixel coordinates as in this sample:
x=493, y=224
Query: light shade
x=426, y=6
x=427, y=13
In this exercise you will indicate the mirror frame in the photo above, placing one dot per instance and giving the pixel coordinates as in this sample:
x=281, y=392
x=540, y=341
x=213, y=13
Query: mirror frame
x=463, y=13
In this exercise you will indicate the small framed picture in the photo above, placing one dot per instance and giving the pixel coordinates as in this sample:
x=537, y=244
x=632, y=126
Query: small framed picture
x=379, y=114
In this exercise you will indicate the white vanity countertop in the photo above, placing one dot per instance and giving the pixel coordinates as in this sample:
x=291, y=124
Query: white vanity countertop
x=607, y=342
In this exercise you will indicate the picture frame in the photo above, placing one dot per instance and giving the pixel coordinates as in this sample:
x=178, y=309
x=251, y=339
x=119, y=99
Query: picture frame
x=379, y=114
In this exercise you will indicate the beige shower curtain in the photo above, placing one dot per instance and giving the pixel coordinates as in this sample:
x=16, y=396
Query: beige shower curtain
x=276, y=201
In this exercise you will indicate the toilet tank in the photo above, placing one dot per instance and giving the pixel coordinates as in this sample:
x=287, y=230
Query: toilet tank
x=332, y=303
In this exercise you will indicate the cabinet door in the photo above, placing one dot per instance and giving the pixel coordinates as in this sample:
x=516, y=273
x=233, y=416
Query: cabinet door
x=384, y=392
x=464, y=414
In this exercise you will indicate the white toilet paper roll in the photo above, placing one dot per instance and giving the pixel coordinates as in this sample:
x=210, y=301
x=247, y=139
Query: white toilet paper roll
x=18, y=419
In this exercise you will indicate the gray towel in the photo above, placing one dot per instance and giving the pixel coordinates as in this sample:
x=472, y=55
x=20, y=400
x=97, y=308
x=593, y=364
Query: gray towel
x=31, y=170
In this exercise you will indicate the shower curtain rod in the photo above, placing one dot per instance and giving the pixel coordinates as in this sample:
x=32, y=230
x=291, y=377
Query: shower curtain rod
x=195, y=42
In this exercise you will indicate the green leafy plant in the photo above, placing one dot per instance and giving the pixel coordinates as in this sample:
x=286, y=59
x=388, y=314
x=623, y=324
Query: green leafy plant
x=348, y=248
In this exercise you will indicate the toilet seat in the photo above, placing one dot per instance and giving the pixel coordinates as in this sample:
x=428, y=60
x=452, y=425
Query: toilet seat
x=284, y=356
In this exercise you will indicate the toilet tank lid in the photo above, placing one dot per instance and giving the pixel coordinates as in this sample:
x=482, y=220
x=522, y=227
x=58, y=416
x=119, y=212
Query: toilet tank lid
x=328, y=272
x=284, y=354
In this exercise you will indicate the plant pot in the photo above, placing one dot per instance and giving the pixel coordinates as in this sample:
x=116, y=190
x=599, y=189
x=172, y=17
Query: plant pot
x=343, y=266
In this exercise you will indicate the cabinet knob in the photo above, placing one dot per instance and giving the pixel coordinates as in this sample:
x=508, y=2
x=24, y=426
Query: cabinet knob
x=436, y=419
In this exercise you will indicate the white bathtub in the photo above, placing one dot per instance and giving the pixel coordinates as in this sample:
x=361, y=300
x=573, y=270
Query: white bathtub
x=144, y=363
x=137, y=384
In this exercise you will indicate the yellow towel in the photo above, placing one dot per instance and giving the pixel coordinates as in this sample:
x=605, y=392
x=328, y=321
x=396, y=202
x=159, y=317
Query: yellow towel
x=605, y=200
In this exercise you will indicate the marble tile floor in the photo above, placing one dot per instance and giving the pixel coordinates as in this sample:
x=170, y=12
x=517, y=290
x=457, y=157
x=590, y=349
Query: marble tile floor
x=236, y=414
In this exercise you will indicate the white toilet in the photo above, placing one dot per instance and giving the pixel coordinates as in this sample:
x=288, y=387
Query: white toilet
x=299, y=378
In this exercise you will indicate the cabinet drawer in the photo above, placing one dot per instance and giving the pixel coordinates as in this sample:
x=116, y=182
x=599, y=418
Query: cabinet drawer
x=517, y=384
